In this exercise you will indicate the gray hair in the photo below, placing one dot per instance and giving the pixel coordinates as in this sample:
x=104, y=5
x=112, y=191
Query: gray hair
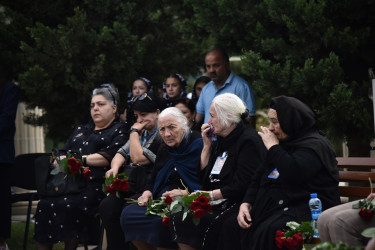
x=229, y=108
x=109, y=91
x=180, y=117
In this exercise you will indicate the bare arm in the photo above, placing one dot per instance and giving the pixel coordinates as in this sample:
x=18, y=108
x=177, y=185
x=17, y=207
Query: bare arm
x=136, y=150
x=116, y=163
x=205, y=155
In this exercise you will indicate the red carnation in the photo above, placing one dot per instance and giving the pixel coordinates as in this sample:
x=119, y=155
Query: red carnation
x=280, y=233
x=199, y=213
x=195, y=205
x=168, y=200
x=298, y=239
x=280, y=242
x=86, y=172
x=165, y=221
x=72, y=162
x=202, y=199
x=74, y=169
x=124, y=185
x=366, y=214
x=116, y=184
x=110, y=189
x=206, y=207
x=289, y=243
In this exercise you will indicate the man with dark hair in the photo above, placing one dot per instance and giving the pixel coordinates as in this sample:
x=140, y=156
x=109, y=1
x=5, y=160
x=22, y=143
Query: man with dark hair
x=223, y=81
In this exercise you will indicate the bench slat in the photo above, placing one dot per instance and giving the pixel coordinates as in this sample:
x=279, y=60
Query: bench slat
x=349, y=191
x=345, y=175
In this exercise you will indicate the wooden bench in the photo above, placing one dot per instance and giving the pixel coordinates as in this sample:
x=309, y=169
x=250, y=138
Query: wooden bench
x=354, y=174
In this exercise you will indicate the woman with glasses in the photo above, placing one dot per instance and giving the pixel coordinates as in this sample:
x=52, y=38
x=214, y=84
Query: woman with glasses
x=177, y=162
x=138, y=154
x=62, y=218
x=140, y=86
x=174, y=88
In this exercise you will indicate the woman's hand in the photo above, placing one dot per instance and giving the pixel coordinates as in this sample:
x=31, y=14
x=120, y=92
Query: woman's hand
x=244, y=218
x=207, y=141
x=143, y=199
x=175, y=192
x=372, y=195
x=139, y=125
x=113, y=171
x=269, y=138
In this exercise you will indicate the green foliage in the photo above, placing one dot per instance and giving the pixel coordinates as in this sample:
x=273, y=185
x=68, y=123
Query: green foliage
x=335, y=246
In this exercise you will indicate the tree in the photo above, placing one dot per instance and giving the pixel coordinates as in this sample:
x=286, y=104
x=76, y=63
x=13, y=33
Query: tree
x=318, y=51
x=100, y=41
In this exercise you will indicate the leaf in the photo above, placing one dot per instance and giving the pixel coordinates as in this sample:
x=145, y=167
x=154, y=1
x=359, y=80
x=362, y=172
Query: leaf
x=184, y=215
x=55, y=170
x=196, y=221
x=369, y=232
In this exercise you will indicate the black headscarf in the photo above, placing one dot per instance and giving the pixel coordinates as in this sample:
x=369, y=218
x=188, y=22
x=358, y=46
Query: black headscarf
x=297, y=120
x=147, y=102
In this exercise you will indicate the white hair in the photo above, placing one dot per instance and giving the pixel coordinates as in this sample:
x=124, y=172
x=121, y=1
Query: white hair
x=180, y=117
x=229, y=108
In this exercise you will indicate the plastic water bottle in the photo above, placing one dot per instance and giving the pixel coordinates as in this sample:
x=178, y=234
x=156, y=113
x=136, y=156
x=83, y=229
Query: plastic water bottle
x=316, y=209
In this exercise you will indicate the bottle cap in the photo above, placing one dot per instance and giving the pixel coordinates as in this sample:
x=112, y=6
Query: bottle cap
x=313, y=195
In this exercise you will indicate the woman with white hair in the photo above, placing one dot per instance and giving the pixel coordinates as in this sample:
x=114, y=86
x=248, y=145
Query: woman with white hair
x=176, y=165
x=227, y=166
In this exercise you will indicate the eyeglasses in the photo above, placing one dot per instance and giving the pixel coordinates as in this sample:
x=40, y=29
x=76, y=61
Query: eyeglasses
x=140, y=97
x=108, y=86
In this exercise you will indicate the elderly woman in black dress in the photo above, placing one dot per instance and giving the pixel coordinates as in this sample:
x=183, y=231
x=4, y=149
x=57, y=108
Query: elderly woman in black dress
x=177, y=162
x=300, y=161
x=62, y=218
x=227, y=167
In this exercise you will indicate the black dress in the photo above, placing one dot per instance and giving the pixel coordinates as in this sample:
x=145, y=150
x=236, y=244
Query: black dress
x=245, y=153
x=63, y=218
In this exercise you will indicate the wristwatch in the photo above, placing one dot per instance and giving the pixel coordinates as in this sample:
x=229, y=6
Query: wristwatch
x=134, y=130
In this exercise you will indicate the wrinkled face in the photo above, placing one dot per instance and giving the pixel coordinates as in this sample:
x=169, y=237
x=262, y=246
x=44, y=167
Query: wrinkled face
x=217, y=68
x=215, y=121
x=171, y=131
x=198, y=88
x=102, y=112
x=173, y=87
x=187, y=113
x=275, y=127
x=139, y=87
x=150, y=118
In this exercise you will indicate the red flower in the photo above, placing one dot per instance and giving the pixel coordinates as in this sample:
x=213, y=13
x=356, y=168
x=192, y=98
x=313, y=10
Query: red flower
x=280, y=233
x=206, y=207
x=116, y=184
x=165, y=221
x=168, y=200
x=74, y=169
x=298, y=239
x=110, y=189
x=280, y=242
x=124, y=185
x=195, y=205
x=199, y=213
x=72, y=162
x=366, y=214
x=202, y=199
x=86, y=172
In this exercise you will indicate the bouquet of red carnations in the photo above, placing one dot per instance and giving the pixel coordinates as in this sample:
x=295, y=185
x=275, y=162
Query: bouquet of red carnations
x=295, y=236
x=367, y=208
x=116, y=184
x=71, y=165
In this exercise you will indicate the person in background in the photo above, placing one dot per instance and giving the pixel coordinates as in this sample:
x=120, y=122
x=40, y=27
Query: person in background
x=300, y=161
x=174, y=87
x=8, y=111
x=139, y=155
x=176, y=165
x=62, y=218
x=222, y=81
x=197, y=88
x=140, y=86
x=236, y=155
x=187, y=107
x=343, y=223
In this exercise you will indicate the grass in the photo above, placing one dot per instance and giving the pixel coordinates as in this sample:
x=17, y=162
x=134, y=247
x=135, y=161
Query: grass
x=17, y=234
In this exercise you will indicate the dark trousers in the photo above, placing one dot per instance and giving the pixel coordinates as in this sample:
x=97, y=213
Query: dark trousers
x=110, y=210
x=5, y=208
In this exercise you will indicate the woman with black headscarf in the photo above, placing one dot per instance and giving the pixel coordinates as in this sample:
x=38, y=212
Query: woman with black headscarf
x=300, y=160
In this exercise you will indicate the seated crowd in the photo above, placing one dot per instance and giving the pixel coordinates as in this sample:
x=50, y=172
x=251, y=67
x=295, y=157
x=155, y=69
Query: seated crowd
x=255, y=182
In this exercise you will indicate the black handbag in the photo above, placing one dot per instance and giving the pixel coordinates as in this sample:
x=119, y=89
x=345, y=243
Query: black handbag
x=55, y=185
